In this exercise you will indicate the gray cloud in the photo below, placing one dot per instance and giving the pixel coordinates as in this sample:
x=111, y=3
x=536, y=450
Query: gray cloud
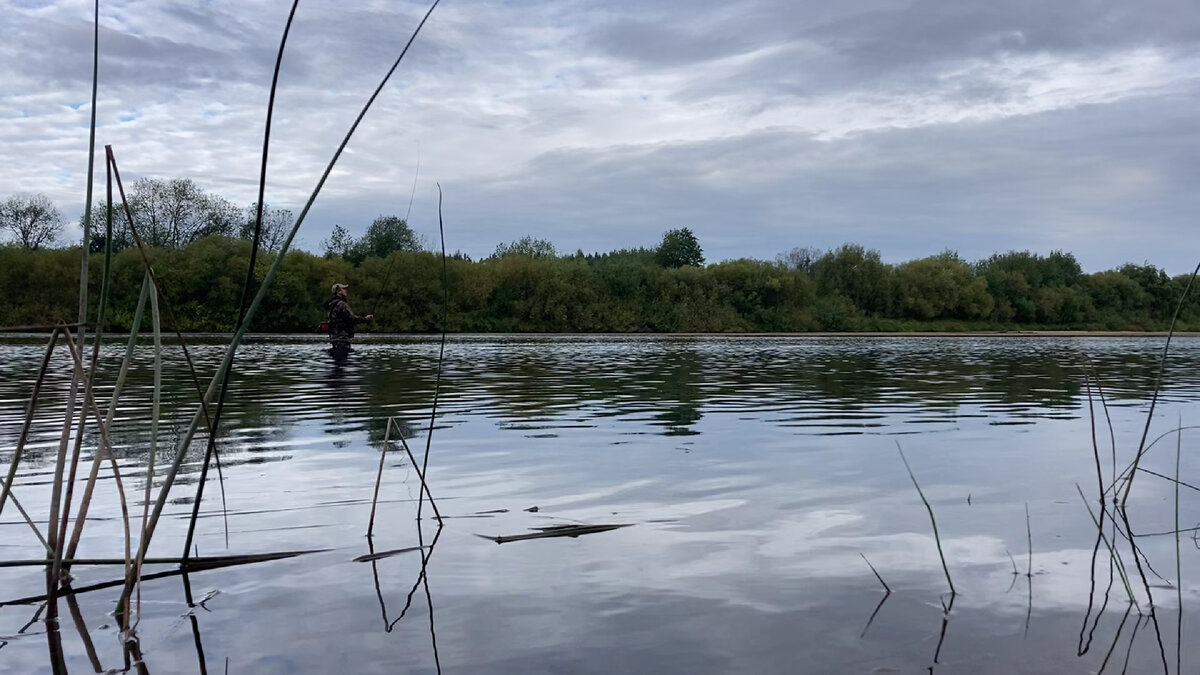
x=910, y=127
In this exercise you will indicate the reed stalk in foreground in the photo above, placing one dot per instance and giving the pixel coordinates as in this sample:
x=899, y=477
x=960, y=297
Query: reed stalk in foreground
x=27, y=423
x=104, y=449
x=53, y=573
x=1178, y=558
x=876, y=572
x=90, y=384
x=1162, y=366
x=936, y=537
x=210, y=451
x=1029, y=541
x=263, y=289
x=155, y=409
x=86, y=500
x=424, y=490
x=437, y=385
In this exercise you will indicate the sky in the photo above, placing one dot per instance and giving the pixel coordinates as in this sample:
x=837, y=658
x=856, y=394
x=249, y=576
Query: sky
x=910, y=127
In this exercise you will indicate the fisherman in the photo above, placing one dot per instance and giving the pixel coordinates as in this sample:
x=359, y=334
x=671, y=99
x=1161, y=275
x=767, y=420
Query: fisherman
x=342, y=321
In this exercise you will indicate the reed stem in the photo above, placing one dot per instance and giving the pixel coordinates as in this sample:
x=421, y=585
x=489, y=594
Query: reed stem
x=263, y=288
x=936, y=537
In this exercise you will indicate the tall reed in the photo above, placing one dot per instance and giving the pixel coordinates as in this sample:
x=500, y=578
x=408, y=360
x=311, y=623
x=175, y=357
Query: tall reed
x=263, y=288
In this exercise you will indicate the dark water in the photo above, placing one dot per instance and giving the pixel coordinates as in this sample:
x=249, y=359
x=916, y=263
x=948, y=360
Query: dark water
x=753, y=474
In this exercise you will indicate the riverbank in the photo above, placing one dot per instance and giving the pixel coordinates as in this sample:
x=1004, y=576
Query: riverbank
x=812, y=334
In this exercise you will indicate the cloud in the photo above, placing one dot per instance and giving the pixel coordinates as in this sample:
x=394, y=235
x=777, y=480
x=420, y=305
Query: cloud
x=909, y=127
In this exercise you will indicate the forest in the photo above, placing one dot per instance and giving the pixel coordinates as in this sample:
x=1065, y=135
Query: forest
x=200, y=254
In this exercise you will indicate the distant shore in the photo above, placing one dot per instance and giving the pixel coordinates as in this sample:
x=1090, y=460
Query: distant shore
x=816, y=334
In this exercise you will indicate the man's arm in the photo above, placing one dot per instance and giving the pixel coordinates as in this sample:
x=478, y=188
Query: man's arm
x=355, y=317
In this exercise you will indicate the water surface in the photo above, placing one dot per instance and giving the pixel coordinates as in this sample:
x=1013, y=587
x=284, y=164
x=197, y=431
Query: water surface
x=754, y=474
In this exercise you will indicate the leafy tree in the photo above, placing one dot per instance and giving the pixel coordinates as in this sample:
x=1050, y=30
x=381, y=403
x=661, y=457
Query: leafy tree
x=32, y=219
x=940, y=287
x=680, y=247
x=855, y=273
x=339, y=244
x=528, y=247
x=385, y=236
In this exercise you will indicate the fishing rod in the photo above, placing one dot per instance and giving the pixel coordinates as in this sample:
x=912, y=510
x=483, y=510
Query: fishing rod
x=388, y=272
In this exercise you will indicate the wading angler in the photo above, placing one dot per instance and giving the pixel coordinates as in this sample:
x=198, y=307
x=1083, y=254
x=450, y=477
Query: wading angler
x=342, y=321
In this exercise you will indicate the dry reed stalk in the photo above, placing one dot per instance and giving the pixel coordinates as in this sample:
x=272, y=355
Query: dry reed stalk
x=27, y=423
x=437, y=385
x=81, y=627
x=105, y=448
x=263, y=288
x=1178, y=557
x=32, y=525
x=1162, y=366
x=936, y=537
x=185, y=442
x=156, y=328
x=89, y=386
x=387, y=435
x=86, y=500
x=211, y=450
x=1112, y=551
x=424, y=490
x=876, y=572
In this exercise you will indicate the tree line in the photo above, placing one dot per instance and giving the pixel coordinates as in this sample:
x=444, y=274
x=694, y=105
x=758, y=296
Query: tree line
x=528, y=286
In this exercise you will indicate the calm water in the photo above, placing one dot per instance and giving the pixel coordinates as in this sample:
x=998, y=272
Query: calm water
x=752, y=473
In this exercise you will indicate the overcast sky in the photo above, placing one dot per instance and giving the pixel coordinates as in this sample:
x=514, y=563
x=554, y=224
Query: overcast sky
x=907, y=126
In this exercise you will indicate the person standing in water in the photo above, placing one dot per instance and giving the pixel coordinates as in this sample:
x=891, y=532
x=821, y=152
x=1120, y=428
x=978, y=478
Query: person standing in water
x=342, y=321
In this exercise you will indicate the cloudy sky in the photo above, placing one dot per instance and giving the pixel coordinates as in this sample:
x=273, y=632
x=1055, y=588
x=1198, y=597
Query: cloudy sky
x=909, y=126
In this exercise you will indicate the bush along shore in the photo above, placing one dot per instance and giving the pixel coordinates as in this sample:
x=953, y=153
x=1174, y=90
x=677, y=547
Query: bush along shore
x=526, y=286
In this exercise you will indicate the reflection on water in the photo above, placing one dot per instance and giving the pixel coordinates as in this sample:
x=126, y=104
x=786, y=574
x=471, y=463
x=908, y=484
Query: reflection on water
x=755, y=472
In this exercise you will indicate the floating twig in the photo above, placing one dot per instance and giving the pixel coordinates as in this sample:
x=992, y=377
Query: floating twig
x=556, y=531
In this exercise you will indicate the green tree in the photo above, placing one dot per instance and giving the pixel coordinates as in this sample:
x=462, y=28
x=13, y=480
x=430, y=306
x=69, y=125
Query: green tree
x=680, y=247
x=339, y=244
x=940, y=287
x=385, y=236
x=528, y=247
x=855, y=273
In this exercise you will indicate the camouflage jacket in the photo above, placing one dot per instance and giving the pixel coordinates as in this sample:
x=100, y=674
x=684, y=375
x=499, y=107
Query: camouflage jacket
x=341, y=320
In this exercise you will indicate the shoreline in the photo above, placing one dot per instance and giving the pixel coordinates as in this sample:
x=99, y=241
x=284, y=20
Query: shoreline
x=816, y=334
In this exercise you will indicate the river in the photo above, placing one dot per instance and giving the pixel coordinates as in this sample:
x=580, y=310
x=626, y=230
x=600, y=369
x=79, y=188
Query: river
x=752, y=477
